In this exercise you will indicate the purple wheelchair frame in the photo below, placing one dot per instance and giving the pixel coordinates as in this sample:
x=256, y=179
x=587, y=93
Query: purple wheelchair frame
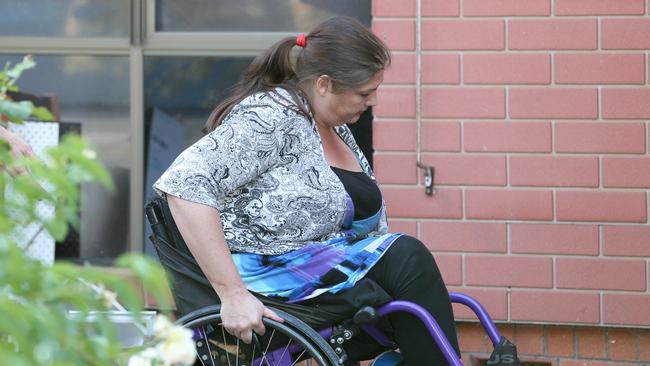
x=414, y=309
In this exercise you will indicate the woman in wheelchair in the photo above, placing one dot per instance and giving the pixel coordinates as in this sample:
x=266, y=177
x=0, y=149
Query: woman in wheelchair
x=277, y=200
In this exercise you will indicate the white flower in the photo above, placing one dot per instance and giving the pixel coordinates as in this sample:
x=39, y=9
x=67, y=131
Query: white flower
x=161, y=326
x=89, y=154
x=177, y=347
x=143, y=358
x=175, y=344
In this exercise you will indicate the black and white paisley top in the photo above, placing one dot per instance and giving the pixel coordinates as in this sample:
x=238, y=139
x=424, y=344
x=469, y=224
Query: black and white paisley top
x=265, y=171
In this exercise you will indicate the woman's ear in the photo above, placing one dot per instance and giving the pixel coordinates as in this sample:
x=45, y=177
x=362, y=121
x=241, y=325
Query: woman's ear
x=323, y=85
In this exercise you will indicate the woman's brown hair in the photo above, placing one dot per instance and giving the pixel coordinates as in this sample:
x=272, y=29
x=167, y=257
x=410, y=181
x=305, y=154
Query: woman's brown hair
x=341, y=48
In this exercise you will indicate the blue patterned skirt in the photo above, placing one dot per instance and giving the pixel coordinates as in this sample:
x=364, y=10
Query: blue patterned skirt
x=318, y=267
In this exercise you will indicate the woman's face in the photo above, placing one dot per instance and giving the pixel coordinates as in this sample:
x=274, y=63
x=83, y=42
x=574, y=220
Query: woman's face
x=337, y=108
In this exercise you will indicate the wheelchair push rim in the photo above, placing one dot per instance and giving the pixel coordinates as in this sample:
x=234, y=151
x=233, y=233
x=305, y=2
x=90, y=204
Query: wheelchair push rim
x=303, y=343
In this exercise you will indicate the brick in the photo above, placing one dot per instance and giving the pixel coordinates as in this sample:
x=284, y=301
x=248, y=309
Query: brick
x=507, y=136
x=440, y=8
x=553, y=34
x=628, y=34
x=401, y=69
x=554, y=171
x=451, y=268
x=553, y=103
x=630, y=241
x=530, y=340
x=412, y=202
x=395, y=102
x=626, y=102
x=628, y=309
x=506, y=7
x=599, y=68
x=494, y=299
x=554, y=239
x=403, y=226
x=508, y=271
x=508, y=330
x=440, y=68
x=621, y=344
x=555, y=306
x=633, y=172
x=598, y=7
x=467, y=169
x=586, y=362
x=399, y=35
x=507, y=69
x=472, y=337
x=382, y=8
x=502, y=204
x=559, y=341
x=600, y=137
x=644, y=345
x=440, y=136
x=463, y=34
x=601, y=206
x=430, y=8
x=463, y=102
x=601, y=274
x=395, y=168
x=390, y=135
x=463, y=236
x=591, y=342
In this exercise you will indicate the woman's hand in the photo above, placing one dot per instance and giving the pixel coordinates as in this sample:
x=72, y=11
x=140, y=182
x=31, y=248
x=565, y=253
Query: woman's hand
x=241, y=315
x=18, y=146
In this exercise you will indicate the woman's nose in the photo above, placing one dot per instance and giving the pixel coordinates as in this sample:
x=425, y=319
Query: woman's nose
x=372, y=100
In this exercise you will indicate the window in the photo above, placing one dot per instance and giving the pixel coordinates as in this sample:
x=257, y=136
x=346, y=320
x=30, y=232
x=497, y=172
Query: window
x=131, y=70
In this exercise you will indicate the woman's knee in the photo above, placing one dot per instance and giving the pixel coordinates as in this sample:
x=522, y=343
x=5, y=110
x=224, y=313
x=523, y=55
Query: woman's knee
x=408, y=247
x=408, y=256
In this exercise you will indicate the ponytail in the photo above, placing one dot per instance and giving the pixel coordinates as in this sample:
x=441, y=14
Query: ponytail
x=340, y=47
x=271, y=69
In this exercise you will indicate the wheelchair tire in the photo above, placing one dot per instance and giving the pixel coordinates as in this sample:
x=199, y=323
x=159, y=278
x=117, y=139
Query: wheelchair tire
x=292, y=338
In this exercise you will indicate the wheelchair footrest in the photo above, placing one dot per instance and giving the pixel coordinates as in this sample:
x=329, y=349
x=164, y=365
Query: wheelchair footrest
x=504, y=354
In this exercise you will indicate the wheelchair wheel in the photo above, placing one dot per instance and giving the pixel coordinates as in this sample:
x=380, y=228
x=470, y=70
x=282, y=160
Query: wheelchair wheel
x=287, y=343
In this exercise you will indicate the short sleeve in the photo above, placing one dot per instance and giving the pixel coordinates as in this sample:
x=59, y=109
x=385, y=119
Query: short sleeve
x=242, y=148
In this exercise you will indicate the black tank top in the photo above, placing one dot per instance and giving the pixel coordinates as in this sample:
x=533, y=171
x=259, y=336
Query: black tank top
x=363, y=191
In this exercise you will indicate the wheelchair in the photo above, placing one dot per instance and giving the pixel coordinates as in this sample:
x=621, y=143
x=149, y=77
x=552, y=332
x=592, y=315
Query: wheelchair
x=308, y=335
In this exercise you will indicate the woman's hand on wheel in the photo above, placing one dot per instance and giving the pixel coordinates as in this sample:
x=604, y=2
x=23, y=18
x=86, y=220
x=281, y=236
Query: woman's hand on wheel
x=241, y=315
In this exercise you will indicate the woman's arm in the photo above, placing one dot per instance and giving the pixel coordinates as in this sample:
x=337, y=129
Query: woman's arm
x=200, y=226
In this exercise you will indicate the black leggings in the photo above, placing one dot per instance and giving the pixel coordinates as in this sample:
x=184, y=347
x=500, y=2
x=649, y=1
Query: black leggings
x=407, y=271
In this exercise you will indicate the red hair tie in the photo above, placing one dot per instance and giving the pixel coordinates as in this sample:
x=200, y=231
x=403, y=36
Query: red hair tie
x=301, y=40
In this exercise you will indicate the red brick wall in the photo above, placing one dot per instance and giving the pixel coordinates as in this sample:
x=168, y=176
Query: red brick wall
x=535, y=115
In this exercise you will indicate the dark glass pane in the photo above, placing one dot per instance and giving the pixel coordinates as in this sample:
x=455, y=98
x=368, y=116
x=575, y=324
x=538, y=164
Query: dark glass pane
x=253, y=15
x=93, y=91
x=179, y=94
x=65, y=18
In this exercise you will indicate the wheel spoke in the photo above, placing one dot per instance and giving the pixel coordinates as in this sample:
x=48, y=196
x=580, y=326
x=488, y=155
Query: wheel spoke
x=225, y=342
x=284, y=351
x=267, y=349
x=237, y=354
x=299, y=356
x=207, y=345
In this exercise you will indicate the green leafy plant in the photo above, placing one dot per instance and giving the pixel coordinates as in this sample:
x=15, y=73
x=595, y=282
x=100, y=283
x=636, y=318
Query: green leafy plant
x=18, y=111
x=36, y=326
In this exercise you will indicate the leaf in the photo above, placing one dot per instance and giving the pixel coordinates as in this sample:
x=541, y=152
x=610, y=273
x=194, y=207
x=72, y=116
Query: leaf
x=57, y=228
x=42, y=113
x=17, y=70
x=16, y=111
